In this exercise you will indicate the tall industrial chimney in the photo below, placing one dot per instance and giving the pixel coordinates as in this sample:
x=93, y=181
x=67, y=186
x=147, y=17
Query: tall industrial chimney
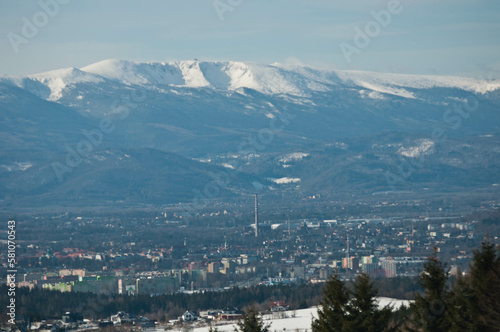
x=348, y=253
x=256, y=218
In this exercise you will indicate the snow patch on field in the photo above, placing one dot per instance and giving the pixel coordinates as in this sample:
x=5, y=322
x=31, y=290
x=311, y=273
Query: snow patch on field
x=424, y=147
x=17, y=166
x=303, y=318
x=301, y=321
x=371, y=94
x=286, y=180
x=59, y=80
x=293, y=156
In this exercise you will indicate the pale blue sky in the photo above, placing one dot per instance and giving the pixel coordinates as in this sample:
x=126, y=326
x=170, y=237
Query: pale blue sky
x=445, y=37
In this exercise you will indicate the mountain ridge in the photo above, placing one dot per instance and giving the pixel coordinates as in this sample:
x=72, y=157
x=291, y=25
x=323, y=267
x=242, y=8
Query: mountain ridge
x=250, y=120
x=232, y=75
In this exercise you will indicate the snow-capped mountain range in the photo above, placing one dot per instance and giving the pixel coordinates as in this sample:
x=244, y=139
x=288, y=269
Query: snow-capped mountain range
x=270, y=124
x=232, y=76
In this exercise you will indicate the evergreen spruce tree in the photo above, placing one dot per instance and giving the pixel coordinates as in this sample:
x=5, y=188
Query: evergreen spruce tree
x=461, y=311
x=251, y=322
x=490, y=304
x=474, y=303
x=429, y=310
x=334, y=306
x=484, y=281
x=482, y=266
x=346, y=311
x=364, y=311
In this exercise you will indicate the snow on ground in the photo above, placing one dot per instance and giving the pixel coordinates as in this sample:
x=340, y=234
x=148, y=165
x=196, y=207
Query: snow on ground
x=387, y=89
x=424, y=147
x=293, y=156
x=286, y=180
x=371, y=94
x=276, y=79
x=302, y=320
x=226, y=165
x=396, y=304
x=287, y=81
x=389, y=80
x=58, y=80
x=192, y=74
x=291, y=83
x=17, y=166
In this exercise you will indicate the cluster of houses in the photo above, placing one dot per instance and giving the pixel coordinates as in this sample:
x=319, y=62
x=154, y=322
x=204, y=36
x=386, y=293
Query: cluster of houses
x=223, y=314
x=228, y=314
x=76, y=321
x=123, y=318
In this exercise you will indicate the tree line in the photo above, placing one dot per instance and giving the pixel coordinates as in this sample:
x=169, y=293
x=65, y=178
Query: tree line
x=38, y=304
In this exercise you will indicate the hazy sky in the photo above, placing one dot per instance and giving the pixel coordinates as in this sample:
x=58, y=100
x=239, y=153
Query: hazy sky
x=445, y=37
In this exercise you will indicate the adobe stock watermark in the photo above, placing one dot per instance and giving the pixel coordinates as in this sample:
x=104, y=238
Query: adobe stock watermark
x=247, y=149
x=372, y=29
x=31, y=27
x=94, y=138
x=223, y=6
x=11, y=271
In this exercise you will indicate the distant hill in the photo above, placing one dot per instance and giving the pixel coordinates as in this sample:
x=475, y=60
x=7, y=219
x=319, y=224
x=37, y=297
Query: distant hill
x=274, y=128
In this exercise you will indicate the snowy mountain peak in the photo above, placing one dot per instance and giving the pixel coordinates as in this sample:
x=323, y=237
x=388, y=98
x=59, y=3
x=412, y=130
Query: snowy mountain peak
x=276, y=79
x=191, y=73
x=51, y=85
